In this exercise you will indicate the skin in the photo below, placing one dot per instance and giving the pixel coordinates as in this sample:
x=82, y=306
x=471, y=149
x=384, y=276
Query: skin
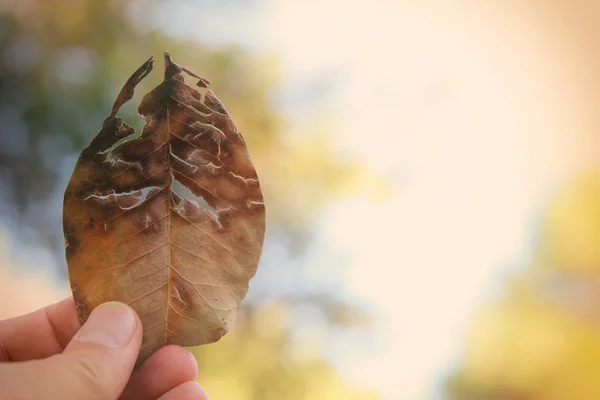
x=47, y=354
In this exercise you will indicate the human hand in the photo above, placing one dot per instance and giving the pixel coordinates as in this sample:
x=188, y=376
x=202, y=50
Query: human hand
x=48, y=355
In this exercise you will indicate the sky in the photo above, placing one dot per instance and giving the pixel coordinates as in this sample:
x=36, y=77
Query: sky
x=473, y=114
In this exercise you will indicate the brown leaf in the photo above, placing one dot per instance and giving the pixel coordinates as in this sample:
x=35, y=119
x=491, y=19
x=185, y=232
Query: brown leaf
x=133, y=234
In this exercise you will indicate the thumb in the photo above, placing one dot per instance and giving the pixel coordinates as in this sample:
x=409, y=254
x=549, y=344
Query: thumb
x=97, y=362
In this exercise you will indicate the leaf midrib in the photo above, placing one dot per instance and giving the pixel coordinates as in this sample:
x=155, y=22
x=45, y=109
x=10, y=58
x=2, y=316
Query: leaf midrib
x=169, y=210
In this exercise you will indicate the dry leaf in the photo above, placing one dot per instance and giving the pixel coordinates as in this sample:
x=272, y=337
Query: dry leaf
x=171, y=222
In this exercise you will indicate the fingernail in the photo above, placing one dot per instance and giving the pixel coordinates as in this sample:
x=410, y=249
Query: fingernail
x=110, y=325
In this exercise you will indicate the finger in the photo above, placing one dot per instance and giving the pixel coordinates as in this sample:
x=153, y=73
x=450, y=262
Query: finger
x=168, y=368
x=95, y=365
x=39, y=334
x=185, y=391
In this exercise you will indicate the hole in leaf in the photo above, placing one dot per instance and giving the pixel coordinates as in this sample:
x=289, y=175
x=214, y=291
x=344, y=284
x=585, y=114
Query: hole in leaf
x=182, y=191
x=129, y=114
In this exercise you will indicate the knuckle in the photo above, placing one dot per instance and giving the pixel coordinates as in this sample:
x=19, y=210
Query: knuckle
x=92, y=378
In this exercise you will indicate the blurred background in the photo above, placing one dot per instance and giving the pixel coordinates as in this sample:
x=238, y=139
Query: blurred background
x=431, y=172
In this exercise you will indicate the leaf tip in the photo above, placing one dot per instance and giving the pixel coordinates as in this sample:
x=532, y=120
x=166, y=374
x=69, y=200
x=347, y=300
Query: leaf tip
x=168, y=60
x=146, y=68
